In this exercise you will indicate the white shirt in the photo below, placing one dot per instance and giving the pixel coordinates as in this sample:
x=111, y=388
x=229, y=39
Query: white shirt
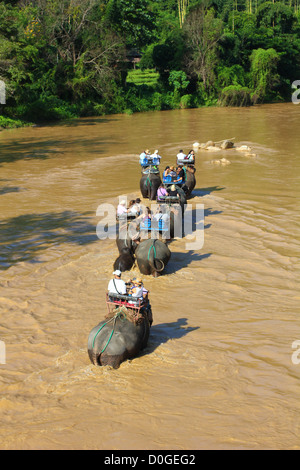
x=138, y=292
x=134, y=209
x=181, y=156
x=143, y=156
x=121, y=209
x=119, y=288
x=155, y=155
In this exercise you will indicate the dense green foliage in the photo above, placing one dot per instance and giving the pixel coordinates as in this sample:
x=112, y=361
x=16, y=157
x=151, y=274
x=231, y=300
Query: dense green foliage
x=67, y=58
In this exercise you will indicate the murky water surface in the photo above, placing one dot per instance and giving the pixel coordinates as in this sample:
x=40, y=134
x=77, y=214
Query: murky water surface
x=218, y=370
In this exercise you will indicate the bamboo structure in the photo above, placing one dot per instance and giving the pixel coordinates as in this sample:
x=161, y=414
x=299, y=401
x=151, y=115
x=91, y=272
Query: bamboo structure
x=182, y=10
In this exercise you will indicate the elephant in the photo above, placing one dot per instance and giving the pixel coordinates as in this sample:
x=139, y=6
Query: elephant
x=152, y=256
x=117, y=339
x=190, y=181
x=149, y=185
x=125, y=243
x=125, y=260
x=182, y=195
x=126, y=247
x=176, y=222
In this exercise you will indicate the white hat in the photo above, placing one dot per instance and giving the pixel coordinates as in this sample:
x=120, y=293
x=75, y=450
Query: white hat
x=117, y=272
x=123, y=203
x=156, y=151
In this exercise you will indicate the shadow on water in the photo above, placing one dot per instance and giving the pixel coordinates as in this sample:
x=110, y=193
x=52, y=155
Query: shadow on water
x=164, y=332
x=208, y=212
x=199, y=192
x=181, y=260
x=25, y=237
x=90, y=121
x=9, y=189
x=37, y=149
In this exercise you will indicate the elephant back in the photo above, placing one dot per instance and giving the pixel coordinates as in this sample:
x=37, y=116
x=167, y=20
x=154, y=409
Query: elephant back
x=190, y=182
x=152, y=256
x=118, y=338
x=149, y=185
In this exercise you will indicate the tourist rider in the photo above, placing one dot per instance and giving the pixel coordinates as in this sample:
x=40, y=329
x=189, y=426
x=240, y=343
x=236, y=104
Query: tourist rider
x=161, y=192
x=116, y=285
x=167, y=178
x=145, y=300
x=180, y=157
x=179, y=176
x=137, y=290
x=166, y=171
x=121, y=209
x=155, y=158
x=135, y=209
x=173, y=191
x=191, y=157
x=144, y=157
x=172, y=172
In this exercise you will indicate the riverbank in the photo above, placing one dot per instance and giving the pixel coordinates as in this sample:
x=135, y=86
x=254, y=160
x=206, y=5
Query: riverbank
x=67, y=114
x=8, y=123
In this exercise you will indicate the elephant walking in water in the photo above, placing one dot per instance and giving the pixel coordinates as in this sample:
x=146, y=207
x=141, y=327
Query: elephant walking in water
x=149, y=185
x=190, y=181
x=126, y=247
x=152, y=256
x=125, y=260
x=118, y=338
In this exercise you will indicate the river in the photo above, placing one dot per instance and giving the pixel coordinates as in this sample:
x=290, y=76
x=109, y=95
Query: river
x=219, y=371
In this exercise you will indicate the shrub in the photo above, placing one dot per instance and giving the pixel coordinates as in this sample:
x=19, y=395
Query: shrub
x=235, y=95
x=186, y=101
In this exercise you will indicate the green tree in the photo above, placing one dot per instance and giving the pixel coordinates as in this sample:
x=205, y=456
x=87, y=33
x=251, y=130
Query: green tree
x=133, y=20
x=263, y=72
x=277, y=16
x=202, y=31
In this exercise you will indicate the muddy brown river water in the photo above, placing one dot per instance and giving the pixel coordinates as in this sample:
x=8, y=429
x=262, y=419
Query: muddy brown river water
x=219, y=371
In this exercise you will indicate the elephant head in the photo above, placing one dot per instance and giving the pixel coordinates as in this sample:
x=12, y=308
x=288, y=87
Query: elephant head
x=117, y=339
x=152, y=256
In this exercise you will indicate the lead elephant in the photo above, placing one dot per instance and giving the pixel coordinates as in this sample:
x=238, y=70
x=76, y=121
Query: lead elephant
x=190, y=181
x=126, y=242
x=125, y=260
x=152, y=256
x=149, y=185
x=117, y=339
x=126, y=247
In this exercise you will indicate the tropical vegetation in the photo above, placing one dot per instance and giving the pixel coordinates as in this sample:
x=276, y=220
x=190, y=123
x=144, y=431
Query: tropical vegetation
x=61, y=59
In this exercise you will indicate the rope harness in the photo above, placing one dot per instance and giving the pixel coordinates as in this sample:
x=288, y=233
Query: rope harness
x=154, y=251
x=120, y=313
x=148, y=185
